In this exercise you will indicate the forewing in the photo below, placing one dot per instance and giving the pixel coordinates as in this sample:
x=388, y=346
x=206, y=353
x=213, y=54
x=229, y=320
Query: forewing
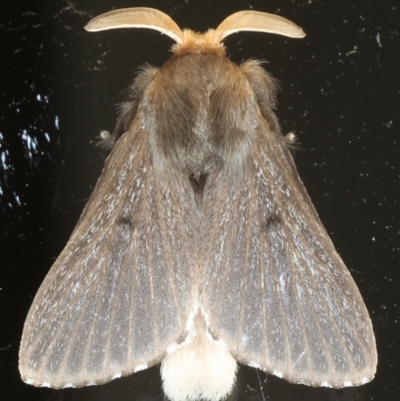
x=276, y=291
x=122, y=289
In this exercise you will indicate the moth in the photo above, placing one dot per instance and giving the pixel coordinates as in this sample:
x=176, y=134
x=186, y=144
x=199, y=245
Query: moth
x=199, y=247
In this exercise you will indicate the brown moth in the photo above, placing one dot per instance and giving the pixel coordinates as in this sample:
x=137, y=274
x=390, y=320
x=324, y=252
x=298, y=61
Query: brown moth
x=199, y=247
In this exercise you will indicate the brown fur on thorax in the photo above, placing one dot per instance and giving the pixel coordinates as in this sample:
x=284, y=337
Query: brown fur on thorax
x=200, y=109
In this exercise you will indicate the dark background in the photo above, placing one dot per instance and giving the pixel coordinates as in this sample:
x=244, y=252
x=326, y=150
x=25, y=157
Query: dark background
x=340, y=94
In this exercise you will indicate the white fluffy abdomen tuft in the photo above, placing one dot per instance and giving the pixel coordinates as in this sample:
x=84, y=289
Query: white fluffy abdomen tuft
x=201, y=369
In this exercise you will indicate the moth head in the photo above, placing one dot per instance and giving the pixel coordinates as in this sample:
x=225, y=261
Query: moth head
x=187, y=40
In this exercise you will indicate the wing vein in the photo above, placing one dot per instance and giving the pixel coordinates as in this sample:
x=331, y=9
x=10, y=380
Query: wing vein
x=246, y=263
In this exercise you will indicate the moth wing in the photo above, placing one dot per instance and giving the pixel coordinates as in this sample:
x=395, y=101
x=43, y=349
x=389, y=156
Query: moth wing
x=123, y=288
x=276, y=291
